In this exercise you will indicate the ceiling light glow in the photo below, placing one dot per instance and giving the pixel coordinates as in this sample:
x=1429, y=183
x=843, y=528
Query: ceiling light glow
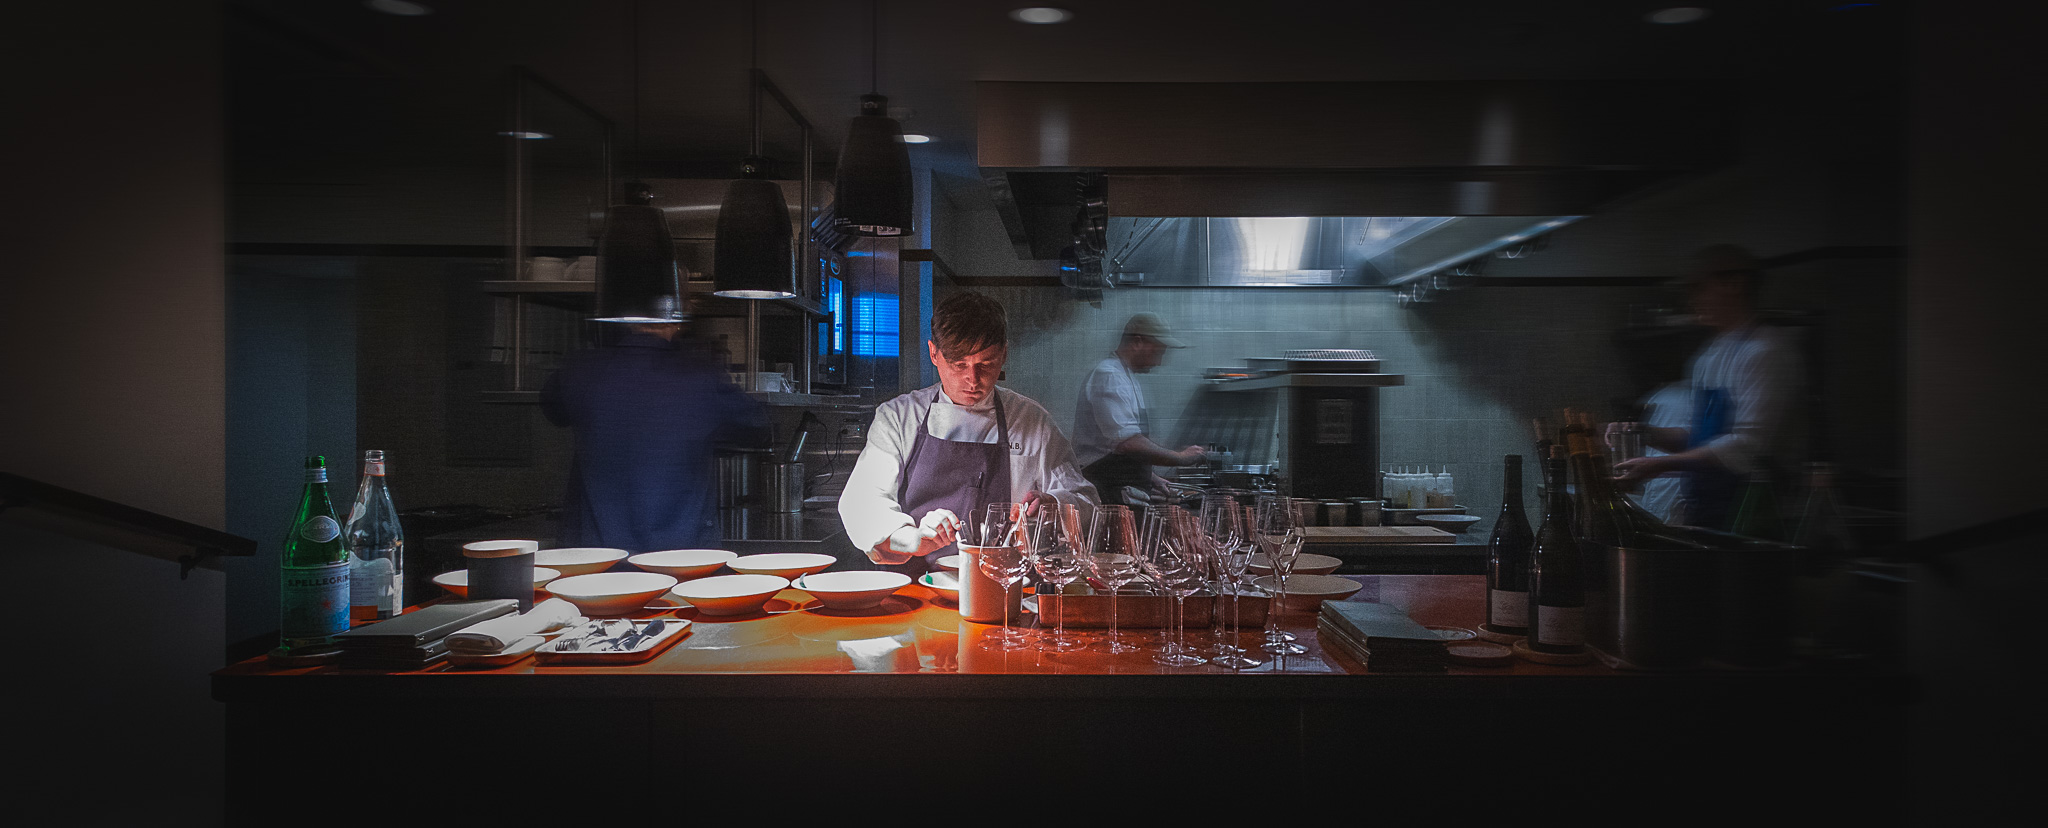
x=527, y=135
x=1041, y=15
x=914, y=138
x=1678, y=14
x=402, y=8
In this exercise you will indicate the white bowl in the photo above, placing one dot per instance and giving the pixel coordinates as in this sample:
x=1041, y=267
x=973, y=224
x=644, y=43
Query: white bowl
x=1305, y=593
x=730, y=594
x=579, y=560
x=684, y=564
x=949, y=563
x=852, y=590
x=1305, y=563
x=1448, y=523
x=946, y=584
x=458, y=581
x=784, y=564
x=611, y=593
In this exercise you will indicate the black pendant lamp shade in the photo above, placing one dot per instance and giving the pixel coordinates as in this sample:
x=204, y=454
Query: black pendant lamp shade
x=753, y=258
x=638, y=279
x=872, y=185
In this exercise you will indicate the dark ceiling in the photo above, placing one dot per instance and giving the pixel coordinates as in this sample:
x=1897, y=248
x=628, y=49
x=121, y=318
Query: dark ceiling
x=335, y=83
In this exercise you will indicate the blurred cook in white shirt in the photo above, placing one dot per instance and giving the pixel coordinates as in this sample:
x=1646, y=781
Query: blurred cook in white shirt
x=1744, y=383
x=1112, y=428
x=935, y=455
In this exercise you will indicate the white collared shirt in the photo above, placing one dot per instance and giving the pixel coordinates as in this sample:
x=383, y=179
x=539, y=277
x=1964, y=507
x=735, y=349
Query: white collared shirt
x=1040, y=458
x=1111, y=409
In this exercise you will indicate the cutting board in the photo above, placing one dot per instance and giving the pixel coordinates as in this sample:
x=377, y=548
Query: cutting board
x=1375, y=534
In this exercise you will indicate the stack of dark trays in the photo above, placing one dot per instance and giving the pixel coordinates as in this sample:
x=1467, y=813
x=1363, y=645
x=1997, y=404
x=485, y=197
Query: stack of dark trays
x=416, y=639
x=1381, y=637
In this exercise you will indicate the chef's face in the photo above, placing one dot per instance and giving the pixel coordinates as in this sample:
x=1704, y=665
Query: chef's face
x=967, y=379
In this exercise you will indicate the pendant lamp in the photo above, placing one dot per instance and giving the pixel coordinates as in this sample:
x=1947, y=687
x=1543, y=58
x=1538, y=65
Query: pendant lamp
x=638, y=279
x=752, y=258
x=872, y=184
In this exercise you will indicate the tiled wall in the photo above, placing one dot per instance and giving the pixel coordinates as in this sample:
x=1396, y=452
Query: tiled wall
x=1479, y=364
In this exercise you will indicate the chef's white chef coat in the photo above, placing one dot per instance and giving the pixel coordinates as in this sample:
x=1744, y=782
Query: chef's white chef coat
x=1758, y=366
x=1111, y=409
x=1041, y=460
x=1667, y=407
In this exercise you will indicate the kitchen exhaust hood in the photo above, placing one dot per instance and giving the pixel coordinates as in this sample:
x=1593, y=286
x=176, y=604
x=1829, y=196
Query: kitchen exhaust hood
x=1261, y=184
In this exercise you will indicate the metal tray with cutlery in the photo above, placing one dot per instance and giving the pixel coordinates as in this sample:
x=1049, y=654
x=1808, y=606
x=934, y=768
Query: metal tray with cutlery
x=613, y=641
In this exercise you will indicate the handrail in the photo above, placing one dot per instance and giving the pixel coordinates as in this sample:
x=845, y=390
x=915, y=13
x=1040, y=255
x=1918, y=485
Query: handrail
x=80, y=515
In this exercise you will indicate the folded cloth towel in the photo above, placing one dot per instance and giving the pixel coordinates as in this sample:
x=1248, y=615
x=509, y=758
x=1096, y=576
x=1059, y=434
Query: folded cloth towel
x=503, y=631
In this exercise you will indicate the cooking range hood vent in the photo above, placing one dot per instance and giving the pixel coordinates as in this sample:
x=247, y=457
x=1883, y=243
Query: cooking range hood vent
x=1360, y=170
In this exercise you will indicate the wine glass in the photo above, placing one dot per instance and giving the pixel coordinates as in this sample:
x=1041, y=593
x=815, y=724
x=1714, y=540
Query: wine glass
x=1170, y=560
x=1055, y=552
x=999, y=525
x=1279, y=537
x=1006, y=566
x=1224, y=520
x=1112, y=558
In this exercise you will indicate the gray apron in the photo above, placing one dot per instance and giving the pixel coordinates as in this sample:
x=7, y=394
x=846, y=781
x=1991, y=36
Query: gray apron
x=952, y=475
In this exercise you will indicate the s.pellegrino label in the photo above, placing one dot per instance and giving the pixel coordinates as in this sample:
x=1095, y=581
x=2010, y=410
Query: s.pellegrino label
x=313, y=568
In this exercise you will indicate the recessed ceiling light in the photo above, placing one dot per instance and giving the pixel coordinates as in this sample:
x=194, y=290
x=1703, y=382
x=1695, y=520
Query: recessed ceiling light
x=402, y=8
x=914, y=138
x=530, y=136
x=1041, y=15
x=1678, y=14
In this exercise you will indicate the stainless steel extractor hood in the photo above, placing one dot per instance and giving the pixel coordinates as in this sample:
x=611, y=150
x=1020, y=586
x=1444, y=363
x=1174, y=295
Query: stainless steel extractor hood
x=1370, y=183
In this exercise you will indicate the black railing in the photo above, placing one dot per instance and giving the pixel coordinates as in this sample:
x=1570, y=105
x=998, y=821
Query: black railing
x=118, y=525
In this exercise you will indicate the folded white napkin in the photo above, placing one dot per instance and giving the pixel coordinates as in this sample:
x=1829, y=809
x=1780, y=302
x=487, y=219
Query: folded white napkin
x=503, y=631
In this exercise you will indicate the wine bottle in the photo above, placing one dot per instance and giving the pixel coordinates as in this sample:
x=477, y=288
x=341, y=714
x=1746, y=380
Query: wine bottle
x=1756, y=515
x=1821, y=529
x=376, y=548
x=313, y=589
x=1557, y=590
x=1507, y=557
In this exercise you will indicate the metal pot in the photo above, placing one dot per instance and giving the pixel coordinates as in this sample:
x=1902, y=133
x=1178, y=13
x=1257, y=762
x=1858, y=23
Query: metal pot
x=783, y=487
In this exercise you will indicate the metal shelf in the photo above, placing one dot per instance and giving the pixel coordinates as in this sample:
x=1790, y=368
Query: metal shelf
x=572, y=290
x=1311, y=381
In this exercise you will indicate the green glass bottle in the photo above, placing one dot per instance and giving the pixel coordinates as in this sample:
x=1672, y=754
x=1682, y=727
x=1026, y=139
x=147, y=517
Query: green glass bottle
x=314, y=567
x=1757, y=514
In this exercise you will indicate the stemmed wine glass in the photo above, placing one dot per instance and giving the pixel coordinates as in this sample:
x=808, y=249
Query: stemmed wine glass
x=1055, y=551
x=1280, y=538
x=1002, y=559
x=1171, y=561
x=1223, y=519
x=1112, y=558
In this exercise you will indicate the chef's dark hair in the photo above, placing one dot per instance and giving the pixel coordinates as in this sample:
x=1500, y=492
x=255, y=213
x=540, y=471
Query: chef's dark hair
x=967, y=323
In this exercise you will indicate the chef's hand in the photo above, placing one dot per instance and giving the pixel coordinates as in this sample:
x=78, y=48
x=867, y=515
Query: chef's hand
x=1628, y=473
x=1036, y=501
x=939, y=529
x=1192, y=455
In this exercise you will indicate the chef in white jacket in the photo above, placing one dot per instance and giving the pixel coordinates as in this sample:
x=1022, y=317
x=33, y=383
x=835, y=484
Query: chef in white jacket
x=936, y=455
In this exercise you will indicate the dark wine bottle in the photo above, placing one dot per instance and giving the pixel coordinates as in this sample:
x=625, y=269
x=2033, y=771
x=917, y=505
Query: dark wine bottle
x=1557, y=588
x=1507, y=558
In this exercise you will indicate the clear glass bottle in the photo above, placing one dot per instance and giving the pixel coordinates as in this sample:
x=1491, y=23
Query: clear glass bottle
x=313, y=587
x=376, y=547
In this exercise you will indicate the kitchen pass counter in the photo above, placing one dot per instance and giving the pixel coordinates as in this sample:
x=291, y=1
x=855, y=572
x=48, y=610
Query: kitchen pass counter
x=810, y=696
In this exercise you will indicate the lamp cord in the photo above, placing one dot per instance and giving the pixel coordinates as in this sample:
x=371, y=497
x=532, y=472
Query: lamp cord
x=874, y=47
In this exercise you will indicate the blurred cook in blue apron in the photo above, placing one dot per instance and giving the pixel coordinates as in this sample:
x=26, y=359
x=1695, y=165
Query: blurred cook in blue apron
x=935, y=455
x=1745, y=383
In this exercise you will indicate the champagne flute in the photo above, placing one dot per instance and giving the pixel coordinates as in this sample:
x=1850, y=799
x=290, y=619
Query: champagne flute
x=1279, y=537
x=1112, y=558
